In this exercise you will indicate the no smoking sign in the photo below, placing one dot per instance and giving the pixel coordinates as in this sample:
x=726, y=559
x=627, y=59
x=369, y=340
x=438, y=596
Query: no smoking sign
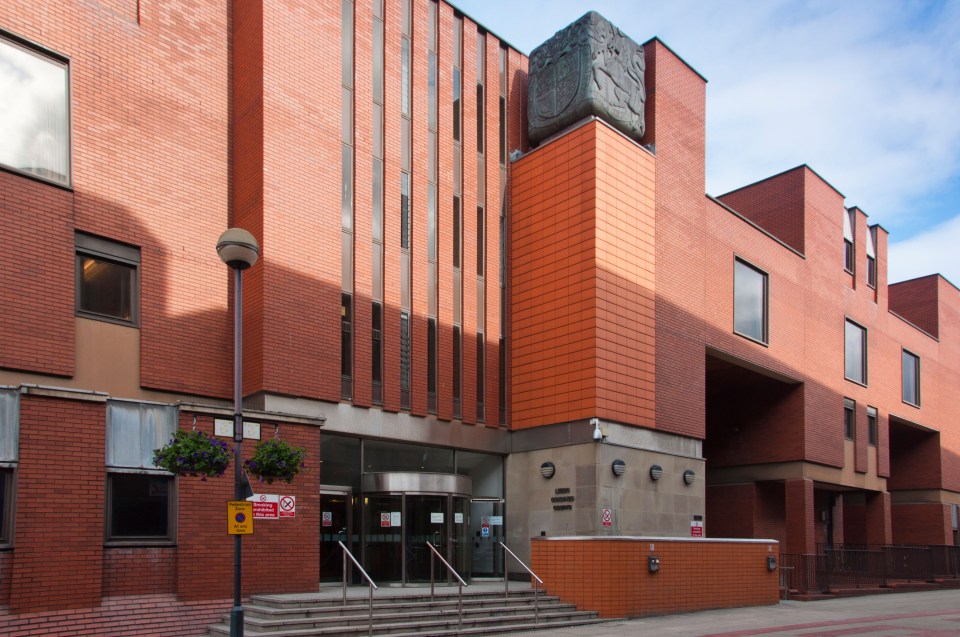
x=288, y=506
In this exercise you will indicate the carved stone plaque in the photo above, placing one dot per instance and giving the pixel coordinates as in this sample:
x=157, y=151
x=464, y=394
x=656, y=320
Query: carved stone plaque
x=588, y=68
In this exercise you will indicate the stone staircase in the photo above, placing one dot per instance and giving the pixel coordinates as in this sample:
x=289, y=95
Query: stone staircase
x=403, y=614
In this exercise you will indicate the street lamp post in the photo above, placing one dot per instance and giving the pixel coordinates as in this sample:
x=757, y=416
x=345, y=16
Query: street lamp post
x=239, y=250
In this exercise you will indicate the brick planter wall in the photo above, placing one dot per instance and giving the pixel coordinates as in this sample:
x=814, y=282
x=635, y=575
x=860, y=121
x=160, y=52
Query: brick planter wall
x=610, y=574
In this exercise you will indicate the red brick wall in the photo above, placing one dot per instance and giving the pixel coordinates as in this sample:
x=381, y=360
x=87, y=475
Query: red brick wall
x=922, y=523
x=730, y=510
x=139, y=570
x=776, y=204
x=610, y=575
x=149, y=159
x=58, y=559
x=141, y=615
x=917, y=301
x=675, y=115
x=36, y=330
x=281, y=555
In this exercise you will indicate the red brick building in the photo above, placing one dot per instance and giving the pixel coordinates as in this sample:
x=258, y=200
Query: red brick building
x=439, y=310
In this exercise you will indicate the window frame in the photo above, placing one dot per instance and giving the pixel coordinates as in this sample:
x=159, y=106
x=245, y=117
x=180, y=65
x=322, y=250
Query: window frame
x=107, y=251
x=863, y=352
x=169, y=538
x=118, y=437
x=849, y=419
x=872, y=433
x=57, y=59
x=765, y=303
x=904, y=353
x=849, y=253
x=9, y=501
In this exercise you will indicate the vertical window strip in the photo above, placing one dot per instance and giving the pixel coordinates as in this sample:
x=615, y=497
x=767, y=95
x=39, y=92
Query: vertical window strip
x=377, y=206
x=432, y=192
x=347, y=198
x=502, y=264
x=481, y=376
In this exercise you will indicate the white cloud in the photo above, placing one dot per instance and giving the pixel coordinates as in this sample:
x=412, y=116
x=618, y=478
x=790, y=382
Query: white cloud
x=928, y=252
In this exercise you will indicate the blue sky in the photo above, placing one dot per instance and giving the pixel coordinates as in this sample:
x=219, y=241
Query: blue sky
x=867, y=92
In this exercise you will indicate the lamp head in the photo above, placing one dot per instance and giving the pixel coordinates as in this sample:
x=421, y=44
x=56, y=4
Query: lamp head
x=238, y=248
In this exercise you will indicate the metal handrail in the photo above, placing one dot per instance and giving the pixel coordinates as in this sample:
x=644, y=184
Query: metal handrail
x=460, y=583
x=370, y=588
x=536, y=586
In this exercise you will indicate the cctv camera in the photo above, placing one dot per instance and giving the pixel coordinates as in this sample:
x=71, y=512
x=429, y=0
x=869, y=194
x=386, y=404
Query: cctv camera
x=597, y=434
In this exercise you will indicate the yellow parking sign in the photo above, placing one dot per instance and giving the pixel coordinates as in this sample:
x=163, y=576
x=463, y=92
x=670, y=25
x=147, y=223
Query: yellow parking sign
x=239, y=517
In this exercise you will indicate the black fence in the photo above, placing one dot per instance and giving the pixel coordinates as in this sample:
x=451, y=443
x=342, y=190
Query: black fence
x=842, y=566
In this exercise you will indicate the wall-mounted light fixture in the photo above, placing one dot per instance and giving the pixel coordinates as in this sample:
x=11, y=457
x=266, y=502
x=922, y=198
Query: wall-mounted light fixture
x=656, y=472
x=653, y=563
x=619, y=467
x=689, y=476
x=771, y=563
x=547, y=469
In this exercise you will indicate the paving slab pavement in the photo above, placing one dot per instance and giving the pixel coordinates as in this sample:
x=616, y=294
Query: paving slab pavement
x=921, y=614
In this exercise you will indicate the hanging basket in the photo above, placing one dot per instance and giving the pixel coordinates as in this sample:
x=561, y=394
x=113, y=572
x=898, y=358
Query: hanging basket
x=275, y=460
x=193, y=453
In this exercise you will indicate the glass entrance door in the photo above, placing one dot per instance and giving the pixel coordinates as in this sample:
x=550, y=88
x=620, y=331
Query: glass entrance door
x=382, y=537
x=427, y=517
x=335, y=526
x=486, y=532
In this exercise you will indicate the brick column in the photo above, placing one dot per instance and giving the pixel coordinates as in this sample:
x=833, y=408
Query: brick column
x=879, y=527
x=799, y=516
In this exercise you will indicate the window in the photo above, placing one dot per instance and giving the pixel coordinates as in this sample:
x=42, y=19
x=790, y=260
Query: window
x=107, y=280
x=404, y=360
x=457, y=344
x=749, y=301
x=346, y=346
x=377, y=354
x=140, y=507
x=481, y=376
x=872, y=426
x=872, y=257
x=849, y=418
x=849, y=222
x=9, y=453
x=141, y=499
x=35, y=119
x=911, y=378
x=432, y=365
x=855, y=352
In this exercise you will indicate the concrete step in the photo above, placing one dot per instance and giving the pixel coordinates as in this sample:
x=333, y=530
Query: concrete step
x=403, y=615
x=442, y=627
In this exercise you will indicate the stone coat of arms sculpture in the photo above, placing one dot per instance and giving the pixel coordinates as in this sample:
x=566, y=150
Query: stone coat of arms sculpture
x=588, y=68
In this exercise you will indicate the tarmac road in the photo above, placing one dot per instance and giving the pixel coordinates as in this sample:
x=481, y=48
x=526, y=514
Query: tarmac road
x=923, y=614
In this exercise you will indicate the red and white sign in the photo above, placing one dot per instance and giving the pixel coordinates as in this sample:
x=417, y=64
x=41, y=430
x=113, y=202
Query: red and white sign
x=265, y=506
x=607, y=517
x=696, y=528
x=385, y=520
x=326, y=518
x=270, y=506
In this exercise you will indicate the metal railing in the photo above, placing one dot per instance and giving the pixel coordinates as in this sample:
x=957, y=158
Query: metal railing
x=460, y=582
x=868, y=566
x=536, y=585
x=372, y=585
